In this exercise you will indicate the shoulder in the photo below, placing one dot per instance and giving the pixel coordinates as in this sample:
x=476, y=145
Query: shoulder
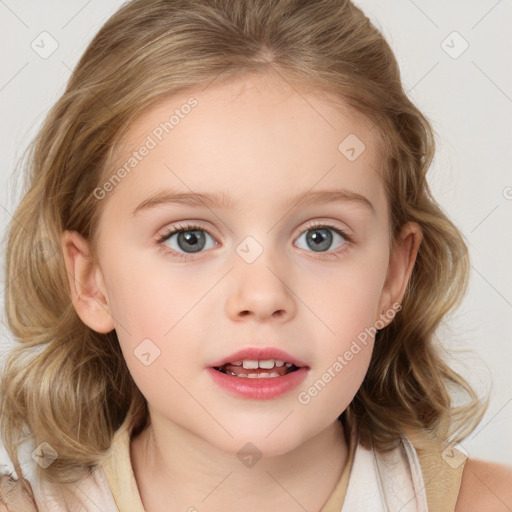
x=485, y=486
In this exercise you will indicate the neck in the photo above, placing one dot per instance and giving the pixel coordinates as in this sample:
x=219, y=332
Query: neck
x=176, y=470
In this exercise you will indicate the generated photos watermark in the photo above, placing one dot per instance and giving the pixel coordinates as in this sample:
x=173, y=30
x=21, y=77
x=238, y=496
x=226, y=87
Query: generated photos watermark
x=342, y=360
x=150, y=142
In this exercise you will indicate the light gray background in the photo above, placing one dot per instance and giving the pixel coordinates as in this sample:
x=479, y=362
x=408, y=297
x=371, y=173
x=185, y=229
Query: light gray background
x=467, y=97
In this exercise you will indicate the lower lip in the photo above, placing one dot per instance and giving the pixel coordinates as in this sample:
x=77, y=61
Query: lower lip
x=261, y=388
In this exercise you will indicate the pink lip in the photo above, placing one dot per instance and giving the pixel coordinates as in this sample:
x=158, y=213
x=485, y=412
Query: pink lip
x=263, y=387
x=258, y=354
x=259, y=388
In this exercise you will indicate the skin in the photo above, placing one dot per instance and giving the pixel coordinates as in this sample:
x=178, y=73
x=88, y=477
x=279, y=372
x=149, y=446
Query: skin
x=485, y=486
x=262, y=142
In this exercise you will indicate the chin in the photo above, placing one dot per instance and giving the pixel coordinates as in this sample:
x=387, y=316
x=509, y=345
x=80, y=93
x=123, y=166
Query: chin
x=260, y=441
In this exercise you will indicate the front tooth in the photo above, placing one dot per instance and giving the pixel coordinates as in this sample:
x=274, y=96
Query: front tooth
x=252, y=376
x=267, y=364
x=250, y=365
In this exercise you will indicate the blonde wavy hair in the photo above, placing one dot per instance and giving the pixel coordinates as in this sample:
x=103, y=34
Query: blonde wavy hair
x=68, y=385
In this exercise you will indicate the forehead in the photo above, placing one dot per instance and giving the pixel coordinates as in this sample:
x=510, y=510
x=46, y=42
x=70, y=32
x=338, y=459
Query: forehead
x=255, y=135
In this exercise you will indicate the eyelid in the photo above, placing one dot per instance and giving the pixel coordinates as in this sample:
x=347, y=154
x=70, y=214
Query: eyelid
x=328, y=225
x=181, y=226
x=196, y=225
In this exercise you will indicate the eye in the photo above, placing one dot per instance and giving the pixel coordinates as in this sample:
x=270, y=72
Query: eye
x=319, y=237
x=190, y=238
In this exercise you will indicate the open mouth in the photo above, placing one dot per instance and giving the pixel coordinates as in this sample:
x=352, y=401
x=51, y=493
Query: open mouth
x=250, y=369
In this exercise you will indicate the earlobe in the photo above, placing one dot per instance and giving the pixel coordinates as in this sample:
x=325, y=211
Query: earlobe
x=87, y=287
x=401, y=264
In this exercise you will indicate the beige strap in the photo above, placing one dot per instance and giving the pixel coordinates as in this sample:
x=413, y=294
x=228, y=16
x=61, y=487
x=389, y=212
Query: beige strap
x=336, y=499
x=442, y=467
x=118, y=470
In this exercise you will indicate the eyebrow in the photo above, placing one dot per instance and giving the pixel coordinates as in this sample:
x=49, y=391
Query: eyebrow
x=221, y=200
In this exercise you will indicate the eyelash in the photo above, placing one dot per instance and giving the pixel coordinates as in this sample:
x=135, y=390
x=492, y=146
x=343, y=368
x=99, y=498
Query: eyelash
x=180, y=228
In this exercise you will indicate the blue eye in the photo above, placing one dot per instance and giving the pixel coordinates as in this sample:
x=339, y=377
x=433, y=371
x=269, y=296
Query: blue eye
x=319, y=237
x=192, y=239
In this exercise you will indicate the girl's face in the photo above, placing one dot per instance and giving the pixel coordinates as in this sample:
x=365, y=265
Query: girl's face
x=253, y=271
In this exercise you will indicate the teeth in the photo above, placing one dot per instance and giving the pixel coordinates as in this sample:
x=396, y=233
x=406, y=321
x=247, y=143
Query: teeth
x=250, y=365
x=256, y=375
x=266, y=364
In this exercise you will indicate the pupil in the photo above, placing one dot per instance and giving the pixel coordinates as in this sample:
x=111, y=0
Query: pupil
x=194, y=238
x=321, y=239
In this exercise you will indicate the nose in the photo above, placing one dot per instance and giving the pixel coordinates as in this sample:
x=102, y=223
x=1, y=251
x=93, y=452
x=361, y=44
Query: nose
x=260, y=292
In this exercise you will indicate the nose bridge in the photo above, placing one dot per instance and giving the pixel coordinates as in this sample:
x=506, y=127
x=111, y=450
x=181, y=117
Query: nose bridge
x=259, y=225
x=260, y=276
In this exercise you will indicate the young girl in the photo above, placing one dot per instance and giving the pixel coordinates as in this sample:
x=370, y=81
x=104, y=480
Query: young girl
x=226, y=274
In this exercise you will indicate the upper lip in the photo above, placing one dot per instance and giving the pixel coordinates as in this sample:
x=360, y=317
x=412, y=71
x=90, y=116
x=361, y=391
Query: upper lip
x=259, y=354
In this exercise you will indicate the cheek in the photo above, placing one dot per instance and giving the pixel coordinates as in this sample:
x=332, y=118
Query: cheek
x=345, y=297
x=346, y=303
x=344, y=338
x=155, y=313
x=150, y=299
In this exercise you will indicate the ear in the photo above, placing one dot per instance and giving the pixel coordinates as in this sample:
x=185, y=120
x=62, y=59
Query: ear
x=401, y=263
x=87, y=287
